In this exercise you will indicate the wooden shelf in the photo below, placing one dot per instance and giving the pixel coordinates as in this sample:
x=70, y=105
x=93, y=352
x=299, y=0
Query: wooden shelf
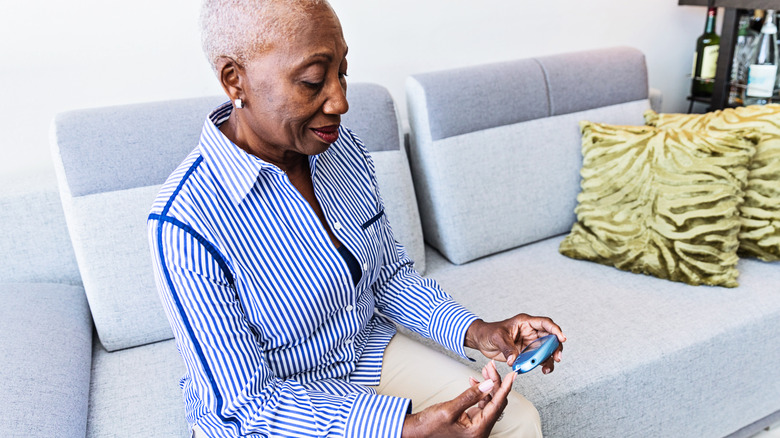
x=728, y=39
x=740, y=4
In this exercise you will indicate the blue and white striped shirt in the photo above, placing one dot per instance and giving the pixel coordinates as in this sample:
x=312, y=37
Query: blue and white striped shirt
x=276, y=338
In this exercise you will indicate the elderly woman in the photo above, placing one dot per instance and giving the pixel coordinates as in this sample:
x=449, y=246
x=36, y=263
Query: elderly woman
x=278, y=268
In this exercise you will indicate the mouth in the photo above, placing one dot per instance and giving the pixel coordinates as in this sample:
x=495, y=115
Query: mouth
x=328, y=134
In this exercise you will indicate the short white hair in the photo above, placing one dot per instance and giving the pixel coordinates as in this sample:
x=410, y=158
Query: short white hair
x=240, y=29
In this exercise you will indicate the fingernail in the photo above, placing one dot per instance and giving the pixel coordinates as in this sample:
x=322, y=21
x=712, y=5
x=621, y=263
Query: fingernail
x=486, y=386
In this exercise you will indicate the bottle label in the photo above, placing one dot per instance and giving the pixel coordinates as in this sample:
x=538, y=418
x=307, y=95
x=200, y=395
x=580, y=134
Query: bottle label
x=709, y=62
x=761, y=80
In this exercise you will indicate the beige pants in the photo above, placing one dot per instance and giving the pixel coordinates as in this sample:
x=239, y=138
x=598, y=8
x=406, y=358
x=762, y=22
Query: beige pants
x=412, y=370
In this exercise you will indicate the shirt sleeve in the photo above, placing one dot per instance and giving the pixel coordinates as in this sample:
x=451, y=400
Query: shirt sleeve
x=407, y=298
x=237, y=393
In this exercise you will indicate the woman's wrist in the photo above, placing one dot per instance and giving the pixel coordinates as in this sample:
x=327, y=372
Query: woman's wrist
x=473, y=335
x=411, y=427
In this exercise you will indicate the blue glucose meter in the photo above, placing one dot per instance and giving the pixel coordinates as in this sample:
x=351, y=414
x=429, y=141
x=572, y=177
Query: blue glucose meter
x=535, y=353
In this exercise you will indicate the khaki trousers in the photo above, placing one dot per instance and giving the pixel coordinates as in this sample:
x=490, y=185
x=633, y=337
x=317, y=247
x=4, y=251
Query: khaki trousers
x=427, y=377
x=412, y=370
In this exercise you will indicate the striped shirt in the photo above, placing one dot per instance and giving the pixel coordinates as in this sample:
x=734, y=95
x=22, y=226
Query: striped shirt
x=276, y=338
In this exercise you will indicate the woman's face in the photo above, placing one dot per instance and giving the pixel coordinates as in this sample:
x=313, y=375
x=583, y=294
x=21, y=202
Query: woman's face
x=295, y=93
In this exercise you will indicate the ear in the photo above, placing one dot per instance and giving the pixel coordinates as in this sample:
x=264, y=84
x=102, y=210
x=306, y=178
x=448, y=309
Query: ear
x=231, y=75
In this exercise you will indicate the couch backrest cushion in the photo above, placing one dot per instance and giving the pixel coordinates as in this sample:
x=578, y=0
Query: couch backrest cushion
x=111, y=163
x=35, y=247
x=495, y=149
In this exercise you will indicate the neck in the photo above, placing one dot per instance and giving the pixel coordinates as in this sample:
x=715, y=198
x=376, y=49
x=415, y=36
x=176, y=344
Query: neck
x=710, y=26
x=289, y=161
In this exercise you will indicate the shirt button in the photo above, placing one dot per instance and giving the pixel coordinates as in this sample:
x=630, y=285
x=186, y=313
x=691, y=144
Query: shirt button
x=348, y=342
x=365, y=266
x=349, y=308
x=337, y=225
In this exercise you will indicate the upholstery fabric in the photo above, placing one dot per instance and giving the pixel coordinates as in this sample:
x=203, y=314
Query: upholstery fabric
x=35, y=246
x=471, y=99
x=135, y=392
x=492, y=190
x=661, y=202
x=760, y=233
x=642, y=353
x=493, y=147
x=656, y=99
x=452, y=108
x=109, y=235
x=45, y=369
x=128, y=146
x=613, y=75
x=373, y=117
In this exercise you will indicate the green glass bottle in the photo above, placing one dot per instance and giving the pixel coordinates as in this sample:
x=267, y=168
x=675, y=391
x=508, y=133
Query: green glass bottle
x=705, y=60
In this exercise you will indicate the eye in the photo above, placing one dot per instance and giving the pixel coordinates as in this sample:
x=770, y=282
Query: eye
x=313, y=85
x=343, y=69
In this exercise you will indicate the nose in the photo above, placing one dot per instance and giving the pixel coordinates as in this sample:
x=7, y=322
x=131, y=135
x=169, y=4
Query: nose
x=336, y=101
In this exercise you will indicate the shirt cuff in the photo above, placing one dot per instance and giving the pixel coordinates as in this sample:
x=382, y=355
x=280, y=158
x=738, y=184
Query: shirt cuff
x=377, y=416
x=449, y=324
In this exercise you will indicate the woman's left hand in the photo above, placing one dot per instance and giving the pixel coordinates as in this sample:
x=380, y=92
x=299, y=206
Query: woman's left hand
x=503, y=340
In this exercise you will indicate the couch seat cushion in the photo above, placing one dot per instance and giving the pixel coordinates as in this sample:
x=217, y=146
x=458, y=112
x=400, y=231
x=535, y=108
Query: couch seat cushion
x=45, y=369
x=135, y=392
x=644, y=356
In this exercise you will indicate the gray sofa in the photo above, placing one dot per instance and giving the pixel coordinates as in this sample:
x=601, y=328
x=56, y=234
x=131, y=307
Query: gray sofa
x=490, y=179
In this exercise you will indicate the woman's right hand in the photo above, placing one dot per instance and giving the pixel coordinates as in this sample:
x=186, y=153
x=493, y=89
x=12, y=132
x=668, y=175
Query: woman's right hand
x=471, y=414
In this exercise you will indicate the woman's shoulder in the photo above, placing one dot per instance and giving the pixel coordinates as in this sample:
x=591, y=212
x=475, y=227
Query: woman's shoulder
x=175, y=181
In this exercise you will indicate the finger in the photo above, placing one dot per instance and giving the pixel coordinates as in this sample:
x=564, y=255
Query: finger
x=548, y=366
x=544, y=324
x=474, y=382
x=482, y=403
x=498, y=403
x=509, y=350
x=558, y=353
x=493, y=375
x=473, y=412
x=468, y=398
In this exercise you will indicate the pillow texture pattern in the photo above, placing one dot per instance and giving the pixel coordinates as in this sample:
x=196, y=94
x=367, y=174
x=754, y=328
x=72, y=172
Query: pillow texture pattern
x=661, y=202
x=760, y=233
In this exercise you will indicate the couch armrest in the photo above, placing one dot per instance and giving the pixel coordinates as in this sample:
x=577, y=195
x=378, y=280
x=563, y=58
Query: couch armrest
x=46, y=346
x=656, y=99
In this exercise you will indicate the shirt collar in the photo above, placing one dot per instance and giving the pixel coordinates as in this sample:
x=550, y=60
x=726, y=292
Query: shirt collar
x=238, y=170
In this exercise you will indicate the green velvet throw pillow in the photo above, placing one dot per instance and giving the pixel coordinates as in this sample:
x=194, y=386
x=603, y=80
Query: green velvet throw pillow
x=661, y=202
x=760, y=233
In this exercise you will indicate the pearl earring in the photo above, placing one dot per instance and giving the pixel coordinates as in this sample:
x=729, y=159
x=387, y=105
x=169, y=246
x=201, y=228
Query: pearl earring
x=238, y=103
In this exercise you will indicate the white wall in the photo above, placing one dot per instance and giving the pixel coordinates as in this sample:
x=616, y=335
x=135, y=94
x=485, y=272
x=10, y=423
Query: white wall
x=58, y=56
